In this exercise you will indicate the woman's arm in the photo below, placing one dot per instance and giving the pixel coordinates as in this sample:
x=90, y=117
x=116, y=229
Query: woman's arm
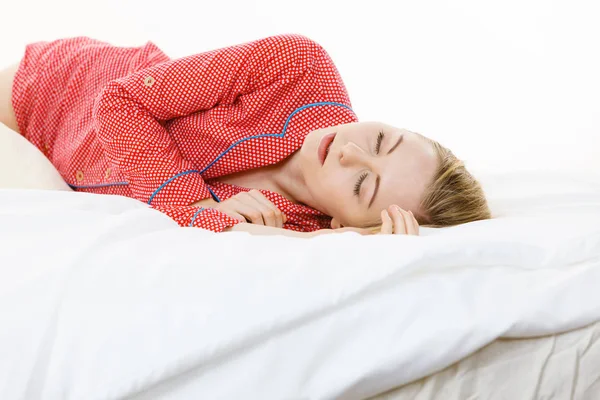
x=129, y=110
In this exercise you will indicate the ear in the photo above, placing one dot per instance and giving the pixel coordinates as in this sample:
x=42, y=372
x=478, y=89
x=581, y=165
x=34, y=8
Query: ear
x=335, y=224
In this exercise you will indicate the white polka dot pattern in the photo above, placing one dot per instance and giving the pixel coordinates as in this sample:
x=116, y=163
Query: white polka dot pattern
x=130, y=121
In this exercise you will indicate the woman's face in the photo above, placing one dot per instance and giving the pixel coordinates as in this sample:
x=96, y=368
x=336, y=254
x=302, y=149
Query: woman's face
x=369, y=166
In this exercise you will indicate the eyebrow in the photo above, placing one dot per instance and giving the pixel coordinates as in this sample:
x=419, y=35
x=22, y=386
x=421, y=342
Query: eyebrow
x=397, y=143
x=379, y=177
x=375, y=191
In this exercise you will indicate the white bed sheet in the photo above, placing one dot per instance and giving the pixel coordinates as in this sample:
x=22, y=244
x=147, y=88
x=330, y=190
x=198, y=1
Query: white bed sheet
x=102, y=297
x=561, y=366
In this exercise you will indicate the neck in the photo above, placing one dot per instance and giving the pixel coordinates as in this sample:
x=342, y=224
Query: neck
x=291, y=182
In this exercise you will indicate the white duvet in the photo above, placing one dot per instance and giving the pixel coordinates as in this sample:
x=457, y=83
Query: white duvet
x=102, y=297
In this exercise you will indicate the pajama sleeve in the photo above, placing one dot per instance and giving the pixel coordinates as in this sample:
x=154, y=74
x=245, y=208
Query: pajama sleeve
x=129, y=113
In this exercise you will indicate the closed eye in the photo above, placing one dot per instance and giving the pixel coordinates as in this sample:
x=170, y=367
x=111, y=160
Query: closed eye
x=358, y=183
x=378, y=178
x=379, y=140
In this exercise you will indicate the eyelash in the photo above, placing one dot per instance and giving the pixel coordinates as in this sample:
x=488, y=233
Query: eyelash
x=363, y=176
x=379, y=140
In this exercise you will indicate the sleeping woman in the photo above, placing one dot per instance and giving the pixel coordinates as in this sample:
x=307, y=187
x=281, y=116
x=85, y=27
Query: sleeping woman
x=257, y=137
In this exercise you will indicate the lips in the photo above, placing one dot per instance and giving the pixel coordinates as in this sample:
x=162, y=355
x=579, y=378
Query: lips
x=323, y=149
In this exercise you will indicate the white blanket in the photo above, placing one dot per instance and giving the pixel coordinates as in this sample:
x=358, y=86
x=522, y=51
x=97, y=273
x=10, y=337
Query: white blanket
x=102, y=297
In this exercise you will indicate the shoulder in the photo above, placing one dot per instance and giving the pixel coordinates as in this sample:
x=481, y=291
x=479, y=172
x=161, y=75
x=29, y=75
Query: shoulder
x=293, y=47
x=292, y=40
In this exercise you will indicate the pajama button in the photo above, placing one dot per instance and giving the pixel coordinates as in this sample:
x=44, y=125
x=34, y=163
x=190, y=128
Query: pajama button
x=107, y=174
x=149, y=81
x=79, y=176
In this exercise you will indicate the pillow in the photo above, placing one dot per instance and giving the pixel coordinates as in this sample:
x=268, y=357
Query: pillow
x=24, y=166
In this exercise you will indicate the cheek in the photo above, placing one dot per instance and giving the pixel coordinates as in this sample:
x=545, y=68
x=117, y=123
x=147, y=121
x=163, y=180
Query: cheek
x=311, y=142
x=325, y=195
x=331, y=183
x=338, y=198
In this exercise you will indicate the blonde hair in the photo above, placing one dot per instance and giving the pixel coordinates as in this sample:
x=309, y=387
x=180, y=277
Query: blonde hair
x=452, y=197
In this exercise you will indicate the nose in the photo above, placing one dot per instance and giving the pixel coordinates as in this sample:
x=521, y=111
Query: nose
x=351, y=154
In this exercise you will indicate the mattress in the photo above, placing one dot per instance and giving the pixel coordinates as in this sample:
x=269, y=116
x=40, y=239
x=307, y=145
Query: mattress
x=561, y=366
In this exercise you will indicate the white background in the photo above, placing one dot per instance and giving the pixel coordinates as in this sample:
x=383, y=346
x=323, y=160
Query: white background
x=507, y=85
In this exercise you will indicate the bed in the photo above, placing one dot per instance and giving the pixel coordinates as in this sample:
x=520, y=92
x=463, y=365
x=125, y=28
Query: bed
x=561, y=366
x=102, y=297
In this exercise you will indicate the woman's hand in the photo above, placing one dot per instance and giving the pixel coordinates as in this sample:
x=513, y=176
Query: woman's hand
x=250, y=206
x=398, y=221
x=394, y=220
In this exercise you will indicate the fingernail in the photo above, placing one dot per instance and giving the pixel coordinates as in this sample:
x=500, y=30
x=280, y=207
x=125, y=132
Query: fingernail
x=397, y=208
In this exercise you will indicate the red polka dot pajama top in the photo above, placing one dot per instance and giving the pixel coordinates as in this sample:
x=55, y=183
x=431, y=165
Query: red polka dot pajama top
x=130, y=121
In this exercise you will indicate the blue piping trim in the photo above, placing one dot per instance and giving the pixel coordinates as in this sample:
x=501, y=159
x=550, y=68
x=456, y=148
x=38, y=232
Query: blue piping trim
x=196, y=214
x=282, y=134
x=168, y=181
x=214, y=195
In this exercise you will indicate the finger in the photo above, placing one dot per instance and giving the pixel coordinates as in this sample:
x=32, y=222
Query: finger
x=408, y=218
x=415, y=224
x=277, y=215
x=228, y=209
x=386, y=223
x=398, y=220
x=237, y=216
x=268, y=213
x=409, y=222
x=244, y=205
